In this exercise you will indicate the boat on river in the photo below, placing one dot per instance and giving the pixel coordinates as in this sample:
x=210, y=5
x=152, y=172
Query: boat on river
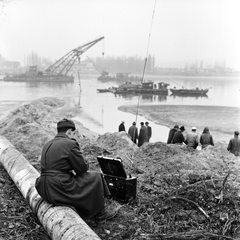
x=148, y=87
x=194, y=92
x=104, y=90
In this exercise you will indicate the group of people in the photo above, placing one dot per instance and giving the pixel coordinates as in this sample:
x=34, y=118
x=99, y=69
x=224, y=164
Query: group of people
x=66, y=180
x=139, y=138
x=191, y=139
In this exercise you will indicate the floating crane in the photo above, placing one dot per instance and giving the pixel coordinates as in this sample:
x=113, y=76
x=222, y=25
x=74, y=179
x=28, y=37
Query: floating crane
x=58, y=71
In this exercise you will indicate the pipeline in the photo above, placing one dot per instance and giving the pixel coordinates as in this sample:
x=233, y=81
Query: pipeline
x=61, y=223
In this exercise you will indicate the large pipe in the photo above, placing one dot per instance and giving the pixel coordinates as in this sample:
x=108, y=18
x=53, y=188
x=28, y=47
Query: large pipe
x=61, y=223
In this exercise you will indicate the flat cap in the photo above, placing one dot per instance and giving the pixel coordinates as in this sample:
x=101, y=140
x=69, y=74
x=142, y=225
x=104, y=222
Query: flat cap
x=194, y=128
x=66, y=123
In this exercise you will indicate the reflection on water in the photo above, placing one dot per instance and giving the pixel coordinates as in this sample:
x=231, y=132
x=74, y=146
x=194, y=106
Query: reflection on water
x=99, y=111
x=188, y=96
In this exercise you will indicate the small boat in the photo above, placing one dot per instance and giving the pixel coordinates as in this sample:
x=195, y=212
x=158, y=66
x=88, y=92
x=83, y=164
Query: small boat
x=103, y=90
x=183, y=91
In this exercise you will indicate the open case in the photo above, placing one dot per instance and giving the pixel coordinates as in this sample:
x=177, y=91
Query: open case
x=121, y=186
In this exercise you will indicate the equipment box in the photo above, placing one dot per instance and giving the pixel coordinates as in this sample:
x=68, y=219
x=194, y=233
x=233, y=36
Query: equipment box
x=122, y=188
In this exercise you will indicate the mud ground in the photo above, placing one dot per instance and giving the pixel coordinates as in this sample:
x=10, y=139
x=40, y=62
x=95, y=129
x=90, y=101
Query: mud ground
x=181, y=193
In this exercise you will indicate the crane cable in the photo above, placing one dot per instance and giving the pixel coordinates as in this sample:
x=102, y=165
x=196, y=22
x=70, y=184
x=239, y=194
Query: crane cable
x=146, y=58
x=79, y=82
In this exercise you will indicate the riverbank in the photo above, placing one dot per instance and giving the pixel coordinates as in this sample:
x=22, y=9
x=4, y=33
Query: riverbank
x=222, y=121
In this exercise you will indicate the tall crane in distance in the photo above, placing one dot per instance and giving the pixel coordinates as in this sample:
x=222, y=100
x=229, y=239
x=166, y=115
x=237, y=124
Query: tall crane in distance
x=64, y=64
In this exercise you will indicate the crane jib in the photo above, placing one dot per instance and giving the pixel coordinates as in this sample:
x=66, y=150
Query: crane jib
x=64, y=64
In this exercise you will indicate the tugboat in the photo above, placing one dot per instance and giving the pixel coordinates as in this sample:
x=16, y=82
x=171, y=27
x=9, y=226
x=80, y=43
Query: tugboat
x=145, y=88
x=193, y=92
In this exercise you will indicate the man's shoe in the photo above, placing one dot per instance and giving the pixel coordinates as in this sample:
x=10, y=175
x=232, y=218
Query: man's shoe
x=105, y=214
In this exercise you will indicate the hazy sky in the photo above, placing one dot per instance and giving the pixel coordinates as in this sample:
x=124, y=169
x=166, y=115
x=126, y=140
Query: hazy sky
x=182, y=29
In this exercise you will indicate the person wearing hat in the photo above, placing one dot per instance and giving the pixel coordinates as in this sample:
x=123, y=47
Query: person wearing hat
x=133, y=132
x=192, y=138
x=206, y=138
x=234, y=144
x=171, y=133
x=178, y=137
x=66, y=180
x=142, y=138
x=149, y=131
x=121, y=127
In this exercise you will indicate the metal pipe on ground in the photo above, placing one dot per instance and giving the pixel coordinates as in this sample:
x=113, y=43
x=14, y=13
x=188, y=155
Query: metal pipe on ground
x=61, y=223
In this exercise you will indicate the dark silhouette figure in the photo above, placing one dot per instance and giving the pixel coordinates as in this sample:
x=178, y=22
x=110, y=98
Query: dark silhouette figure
x=133, y=132
x=149, y=131
x=142, y=138
x=171, y=134
x=234, y=144
x=178, y=137
x=121, y=127
x=206, y=138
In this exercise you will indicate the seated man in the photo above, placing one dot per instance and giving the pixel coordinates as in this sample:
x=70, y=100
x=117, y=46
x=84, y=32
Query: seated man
x=65, y=179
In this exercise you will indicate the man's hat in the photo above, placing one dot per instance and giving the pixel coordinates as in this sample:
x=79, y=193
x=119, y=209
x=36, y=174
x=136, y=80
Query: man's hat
x=66, y=123
x=176, y=126
x=182, y=128
x=194, y=128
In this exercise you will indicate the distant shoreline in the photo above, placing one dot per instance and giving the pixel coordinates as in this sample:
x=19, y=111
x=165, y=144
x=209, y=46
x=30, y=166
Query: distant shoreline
x=222, y=121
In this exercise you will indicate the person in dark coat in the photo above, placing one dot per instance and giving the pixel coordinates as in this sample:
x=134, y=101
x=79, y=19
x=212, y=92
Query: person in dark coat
x=171, y=134
x=133, y=132
x=142, y=138
x=149, y=131
x=206, y=138
x=178, y=137
x=234, y=144
x=121, y=127
x=66, y=180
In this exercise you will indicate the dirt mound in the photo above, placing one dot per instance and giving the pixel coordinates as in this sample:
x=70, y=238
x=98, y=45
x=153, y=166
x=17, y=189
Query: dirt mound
x=179, y=189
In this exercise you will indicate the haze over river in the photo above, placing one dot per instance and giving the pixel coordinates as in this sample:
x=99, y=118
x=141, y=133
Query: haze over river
x=100, y=110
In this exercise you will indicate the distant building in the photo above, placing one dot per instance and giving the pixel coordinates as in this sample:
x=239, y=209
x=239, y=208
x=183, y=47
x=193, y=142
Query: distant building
x=7, y=67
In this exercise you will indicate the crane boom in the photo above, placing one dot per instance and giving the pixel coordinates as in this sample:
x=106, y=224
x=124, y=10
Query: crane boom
x=100, y=70
x=64, y=64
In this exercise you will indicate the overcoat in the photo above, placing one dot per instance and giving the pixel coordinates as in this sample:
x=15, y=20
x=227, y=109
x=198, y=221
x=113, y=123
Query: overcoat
x=85, y=190
x=142, y=138
x=133, y=132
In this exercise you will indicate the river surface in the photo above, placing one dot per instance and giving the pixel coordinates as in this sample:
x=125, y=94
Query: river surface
x=100, y=110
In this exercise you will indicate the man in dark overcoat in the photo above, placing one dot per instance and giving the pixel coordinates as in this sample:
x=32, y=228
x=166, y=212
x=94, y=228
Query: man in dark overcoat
x=149, y=131
x=234, y=144
x=178, y=137
x=65, y=179
x=133, y=132
x=142, y=138
x=172, y=133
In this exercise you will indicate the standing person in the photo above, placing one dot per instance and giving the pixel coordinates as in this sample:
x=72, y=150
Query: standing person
x=171, y=134
x=149, y=131
x=66, y=180
x=133, y=132
x=121, y=127
x=192, y=138
x=142, y=138
x=206, y=138
x=234, y=144
x=178, y=137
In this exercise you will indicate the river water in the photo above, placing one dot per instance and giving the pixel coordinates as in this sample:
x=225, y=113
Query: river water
x=100, y=110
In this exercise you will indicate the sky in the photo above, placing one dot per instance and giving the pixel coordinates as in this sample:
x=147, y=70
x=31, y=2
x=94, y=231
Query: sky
x=172, y=30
